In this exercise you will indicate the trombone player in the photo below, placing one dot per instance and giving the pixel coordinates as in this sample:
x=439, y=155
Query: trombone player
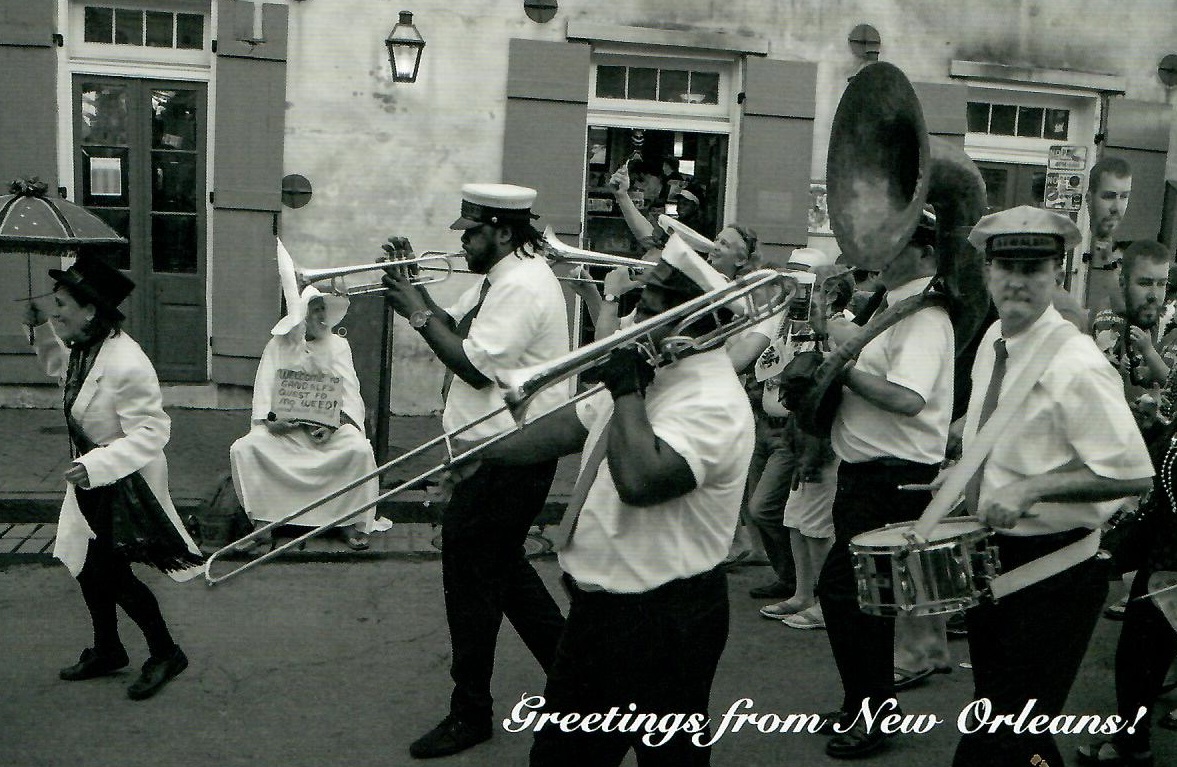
x=515, y=317
x=664, y=461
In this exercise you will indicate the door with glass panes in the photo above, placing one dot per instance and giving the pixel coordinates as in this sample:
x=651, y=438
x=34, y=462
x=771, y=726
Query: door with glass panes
x=139, y=150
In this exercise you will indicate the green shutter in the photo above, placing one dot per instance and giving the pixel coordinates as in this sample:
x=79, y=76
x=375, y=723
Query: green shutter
x=246, y=190
x=776, y=150
x=546, y=120
x=28, y=91
x=944, y=106
x=1138, y=131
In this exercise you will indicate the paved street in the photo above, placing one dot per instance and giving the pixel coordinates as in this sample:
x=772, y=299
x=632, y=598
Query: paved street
x=345, y=663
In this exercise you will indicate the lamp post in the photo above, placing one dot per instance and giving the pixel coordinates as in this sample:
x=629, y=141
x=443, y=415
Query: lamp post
x=405, y=46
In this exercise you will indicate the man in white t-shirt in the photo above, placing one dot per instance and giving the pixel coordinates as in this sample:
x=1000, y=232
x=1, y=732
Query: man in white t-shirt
x=664, y=461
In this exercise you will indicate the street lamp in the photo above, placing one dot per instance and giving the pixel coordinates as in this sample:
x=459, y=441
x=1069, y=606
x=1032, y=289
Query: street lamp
x=405, y=45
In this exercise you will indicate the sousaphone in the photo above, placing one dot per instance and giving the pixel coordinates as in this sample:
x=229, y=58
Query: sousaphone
x=882, y=169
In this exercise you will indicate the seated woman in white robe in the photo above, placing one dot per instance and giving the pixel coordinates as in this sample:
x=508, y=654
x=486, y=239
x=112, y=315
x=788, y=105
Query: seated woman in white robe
x=283, y=464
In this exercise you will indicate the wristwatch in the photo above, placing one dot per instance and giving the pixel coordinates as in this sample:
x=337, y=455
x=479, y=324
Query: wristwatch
x=420, y=318
x=609, y=298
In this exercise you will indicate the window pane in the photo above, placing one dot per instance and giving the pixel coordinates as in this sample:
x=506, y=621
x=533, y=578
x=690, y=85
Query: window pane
x=706, y=84
x=1030, y=122
x=99, y=25
x=673, y=86
x=128, y=27
x=173, y=119
x=159, y=29
x=173, y=243
x=611, y=82
x=105, y=177
x=173, y=181
x=643, y=83
x=104, y=114
x=1057, y=124
x=978, y=116
x=1002, y=119
x=189, y=31
x=119, y=220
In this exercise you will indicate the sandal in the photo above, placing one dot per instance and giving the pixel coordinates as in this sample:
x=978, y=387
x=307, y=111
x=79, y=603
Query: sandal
x=808, y=619
x=782, y=610
x=1106, y=753
x=905, y=678
x=356, y=541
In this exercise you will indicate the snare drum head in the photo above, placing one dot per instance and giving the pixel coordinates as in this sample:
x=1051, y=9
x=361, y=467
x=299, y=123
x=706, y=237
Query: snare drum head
x=895, y=536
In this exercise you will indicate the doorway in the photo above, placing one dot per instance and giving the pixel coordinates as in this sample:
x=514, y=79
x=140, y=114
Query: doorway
x=140, y=159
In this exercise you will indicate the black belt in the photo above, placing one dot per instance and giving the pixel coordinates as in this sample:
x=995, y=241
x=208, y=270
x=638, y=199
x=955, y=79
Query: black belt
x=679, y=587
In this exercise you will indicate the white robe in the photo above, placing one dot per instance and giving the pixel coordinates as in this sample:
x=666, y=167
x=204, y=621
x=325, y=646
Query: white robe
x=275, y=474
x=120, y=407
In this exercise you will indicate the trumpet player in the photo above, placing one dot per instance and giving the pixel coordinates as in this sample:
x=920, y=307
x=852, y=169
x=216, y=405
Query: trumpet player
x=664, y=461
x=515, y=317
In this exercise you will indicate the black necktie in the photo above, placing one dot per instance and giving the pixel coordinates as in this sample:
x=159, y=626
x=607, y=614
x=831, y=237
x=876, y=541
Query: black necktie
x=972, y=491
x=463, y=332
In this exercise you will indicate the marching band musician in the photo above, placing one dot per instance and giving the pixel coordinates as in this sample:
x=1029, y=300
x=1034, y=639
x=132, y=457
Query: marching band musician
x=1046, y=486
x=515, y=317
x=890, y=429
x=665, y=457
x=283, y=463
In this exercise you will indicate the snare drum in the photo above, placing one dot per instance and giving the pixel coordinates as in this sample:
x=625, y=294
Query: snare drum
x=947, y=574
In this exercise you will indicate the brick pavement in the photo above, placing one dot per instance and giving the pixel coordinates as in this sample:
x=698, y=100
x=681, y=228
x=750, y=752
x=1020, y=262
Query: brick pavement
x=34, y=453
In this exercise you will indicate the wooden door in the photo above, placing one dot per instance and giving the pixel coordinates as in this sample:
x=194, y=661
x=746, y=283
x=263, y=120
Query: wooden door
x=140, y=165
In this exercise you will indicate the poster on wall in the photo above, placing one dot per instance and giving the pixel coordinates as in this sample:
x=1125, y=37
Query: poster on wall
x=1066, y=167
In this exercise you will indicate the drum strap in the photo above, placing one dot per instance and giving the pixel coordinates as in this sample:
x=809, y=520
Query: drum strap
x=1045, y=566
x=1008, y=407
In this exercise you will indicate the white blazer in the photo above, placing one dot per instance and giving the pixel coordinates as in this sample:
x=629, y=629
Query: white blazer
x=120, y=407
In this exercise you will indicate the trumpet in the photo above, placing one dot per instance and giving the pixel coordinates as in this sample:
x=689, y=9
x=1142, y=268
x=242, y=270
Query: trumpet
x=521, y=387
x=432, y=260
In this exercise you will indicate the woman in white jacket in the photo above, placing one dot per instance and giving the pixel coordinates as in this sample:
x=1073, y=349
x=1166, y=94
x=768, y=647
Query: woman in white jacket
x=117, y=508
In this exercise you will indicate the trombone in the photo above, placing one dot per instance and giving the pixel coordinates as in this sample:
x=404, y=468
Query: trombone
x=520, y=388
x=553, y=250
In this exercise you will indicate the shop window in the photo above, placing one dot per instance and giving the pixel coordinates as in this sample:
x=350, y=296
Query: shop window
x=1021, y=121
x=680, y=86
x=143, y=28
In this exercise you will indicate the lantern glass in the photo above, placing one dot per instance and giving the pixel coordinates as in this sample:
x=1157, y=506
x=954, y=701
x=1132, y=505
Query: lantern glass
x=405, y=45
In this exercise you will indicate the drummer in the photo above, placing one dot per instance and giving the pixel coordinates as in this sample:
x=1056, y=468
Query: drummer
x=1047, y=484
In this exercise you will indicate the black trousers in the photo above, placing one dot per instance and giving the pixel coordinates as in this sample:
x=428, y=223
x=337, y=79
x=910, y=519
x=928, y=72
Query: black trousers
x=864, y=645
x=1029, y=645
x=1146, y=650
x=107, y=581
x=486, y=576
x=657, y=650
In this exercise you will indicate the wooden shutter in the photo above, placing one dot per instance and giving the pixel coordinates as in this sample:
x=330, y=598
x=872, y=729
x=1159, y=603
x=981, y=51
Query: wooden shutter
x=776, y=150
x=547, y=116
x=247, y=187
x=28, y=125
x=944, y=106
x=1138, y=131
x=28, y=88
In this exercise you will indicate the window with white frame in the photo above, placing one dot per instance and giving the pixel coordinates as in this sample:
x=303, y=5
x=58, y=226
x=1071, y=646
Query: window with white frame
x=162, y=31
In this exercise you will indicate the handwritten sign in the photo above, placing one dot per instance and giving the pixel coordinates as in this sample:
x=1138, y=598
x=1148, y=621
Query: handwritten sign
x=307, y=397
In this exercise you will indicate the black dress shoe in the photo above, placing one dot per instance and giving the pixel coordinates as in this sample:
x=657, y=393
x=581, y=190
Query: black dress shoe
x=451, y=736
x=829, y=719
x=93, y=664
x=156, y=673
x=855, y=742
x=778, y=589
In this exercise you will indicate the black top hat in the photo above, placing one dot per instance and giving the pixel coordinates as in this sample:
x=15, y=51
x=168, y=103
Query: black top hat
x=96, y=282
